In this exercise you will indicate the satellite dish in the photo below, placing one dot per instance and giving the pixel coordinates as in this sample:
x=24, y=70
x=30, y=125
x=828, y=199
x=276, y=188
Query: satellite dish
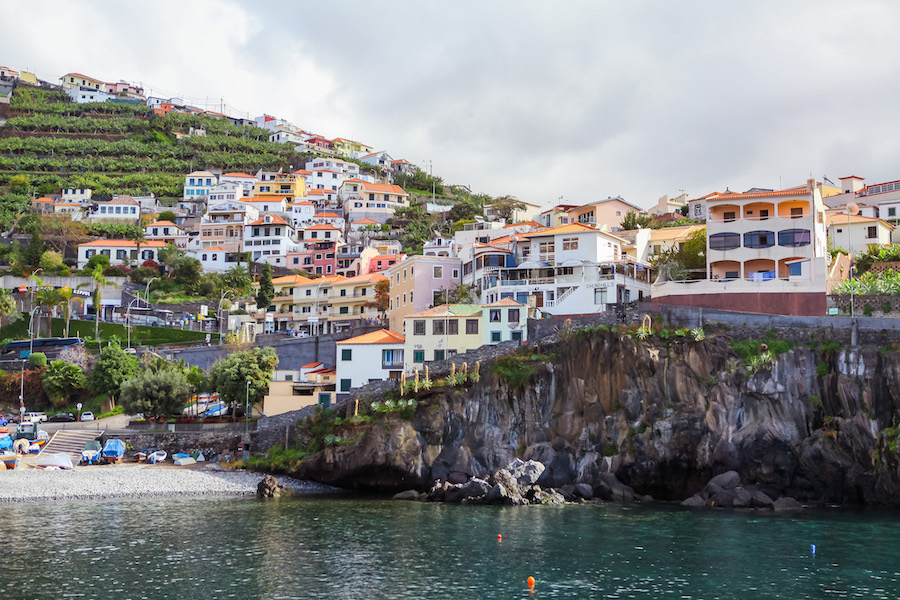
x=852, y=208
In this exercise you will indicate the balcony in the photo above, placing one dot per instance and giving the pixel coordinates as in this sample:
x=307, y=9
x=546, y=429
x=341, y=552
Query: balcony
x=393, y=365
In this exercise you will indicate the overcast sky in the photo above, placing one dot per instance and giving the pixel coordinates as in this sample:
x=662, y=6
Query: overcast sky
x=541, y=100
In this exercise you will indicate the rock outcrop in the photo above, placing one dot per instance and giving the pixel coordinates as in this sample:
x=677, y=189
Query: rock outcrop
x=625, y=418
x=269, y=488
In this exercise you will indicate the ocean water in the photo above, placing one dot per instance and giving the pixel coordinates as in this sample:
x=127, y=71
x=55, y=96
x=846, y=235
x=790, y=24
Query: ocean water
x=339, y=548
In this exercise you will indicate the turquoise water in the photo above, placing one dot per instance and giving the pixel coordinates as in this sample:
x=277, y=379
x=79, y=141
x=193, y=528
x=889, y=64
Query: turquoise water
x=322, y=548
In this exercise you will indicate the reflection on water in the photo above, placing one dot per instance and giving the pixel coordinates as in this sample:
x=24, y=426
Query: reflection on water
x=338, y=548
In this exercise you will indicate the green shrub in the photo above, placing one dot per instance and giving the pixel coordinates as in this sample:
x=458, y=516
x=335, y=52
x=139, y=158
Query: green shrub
x=822, y=368
x=886, y=307
x=513, y=369
x=867, y=310
x=37, y=360
x=610, y=450
x=814, y=400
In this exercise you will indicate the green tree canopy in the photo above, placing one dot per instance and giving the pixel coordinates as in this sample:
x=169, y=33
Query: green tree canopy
x=505, y=206
x=62, y=381
x=685, y=262
x=230, y=375
x=97, y=260
x=112, y=370
x=266, y=290
x=187, y=271
x=167, y=215
x=464, y=210
x=635, y=220
x=158, y=393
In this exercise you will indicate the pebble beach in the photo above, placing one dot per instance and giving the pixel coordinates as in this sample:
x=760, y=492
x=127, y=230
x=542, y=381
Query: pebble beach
x=129, y=481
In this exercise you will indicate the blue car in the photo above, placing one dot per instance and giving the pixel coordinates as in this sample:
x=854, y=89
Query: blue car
x=3, y=421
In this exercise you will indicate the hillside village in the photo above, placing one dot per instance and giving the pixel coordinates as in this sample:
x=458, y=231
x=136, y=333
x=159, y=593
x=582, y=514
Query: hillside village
x=297, y=234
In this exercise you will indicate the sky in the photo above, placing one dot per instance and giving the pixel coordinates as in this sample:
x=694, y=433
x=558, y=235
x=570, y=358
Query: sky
x=575, y=100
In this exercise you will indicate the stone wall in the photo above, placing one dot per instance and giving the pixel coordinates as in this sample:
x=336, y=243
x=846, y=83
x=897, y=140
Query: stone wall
x=208, y=442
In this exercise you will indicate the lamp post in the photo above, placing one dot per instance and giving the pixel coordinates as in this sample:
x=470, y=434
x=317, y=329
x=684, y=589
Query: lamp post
x=78, y=406
x=31, y=330
x=219, y=312
x=247, y=411
x=147, y=290
x=128, y=319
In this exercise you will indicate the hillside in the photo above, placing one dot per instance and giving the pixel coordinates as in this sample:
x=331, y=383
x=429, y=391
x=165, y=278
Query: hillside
x=120, y=148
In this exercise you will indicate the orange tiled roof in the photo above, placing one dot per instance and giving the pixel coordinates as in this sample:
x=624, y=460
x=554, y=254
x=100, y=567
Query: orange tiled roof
x=123, y=243
x=43, y=199
x=239, y=175
x=290, y=279
x=276, y=220
x=844, y=219
x=123, y=200
x=320, y=226
x=365, y=222
x=327, y=215
x=526, y=223
x=729, y=195
x=384, y=188
x=163, y=224
x=304, y=203
x=504, y=302
x=383, y=336
x=325, y=280
x=311, y=365
x=571, y=228
x=214, y=249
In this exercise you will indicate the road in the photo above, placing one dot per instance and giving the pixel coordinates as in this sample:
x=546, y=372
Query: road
x=114, y=423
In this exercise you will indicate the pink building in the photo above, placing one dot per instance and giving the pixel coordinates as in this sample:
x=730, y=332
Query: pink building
x=417, y=282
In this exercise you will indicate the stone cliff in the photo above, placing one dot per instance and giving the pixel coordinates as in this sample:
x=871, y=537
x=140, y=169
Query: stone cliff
x=664, y=416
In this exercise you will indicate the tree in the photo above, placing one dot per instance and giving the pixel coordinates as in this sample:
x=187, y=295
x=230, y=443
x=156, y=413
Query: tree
x=7, y=305
x=99, y=282
x=97, y=260
x=266, y=290
x=158, y=393
x=382, y=299
x=237, y=278
x=139, y=236
x=62, y=381
x=636, y=220
x=170, y=255
x=187, y=272
x=34, y=250
x=684, y=262
x=459, y=293
x=112, y=370
x=167, y=215
x=51, y=261
x=505, y=206
x=45, y=298
x=230, y=375
x=464, y=210
x=416, y=223
x=18, y=184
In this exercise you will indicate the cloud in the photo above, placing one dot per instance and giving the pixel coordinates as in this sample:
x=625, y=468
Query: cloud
x=583, y=99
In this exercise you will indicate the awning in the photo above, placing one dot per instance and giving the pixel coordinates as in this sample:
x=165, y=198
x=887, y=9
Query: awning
x=533, y=264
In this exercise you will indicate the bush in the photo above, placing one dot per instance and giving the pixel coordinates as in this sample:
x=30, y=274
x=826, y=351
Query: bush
x=514, y=370
x=115, y=271
x=37, y=360
x=143, y=274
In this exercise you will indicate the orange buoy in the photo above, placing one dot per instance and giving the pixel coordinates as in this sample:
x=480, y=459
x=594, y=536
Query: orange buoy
x=531, y=582
x=499, y=538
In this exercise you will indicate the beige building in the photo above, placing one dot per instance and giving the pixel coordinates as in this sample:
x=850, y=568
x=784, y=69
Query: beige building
x=316, y=387
x=414, y=282
x=440, y=333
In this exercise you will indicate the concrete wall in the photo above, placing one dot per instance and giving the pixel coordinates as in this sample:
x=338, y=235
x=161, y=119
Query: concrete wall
x=690, y=316
x=292, y=352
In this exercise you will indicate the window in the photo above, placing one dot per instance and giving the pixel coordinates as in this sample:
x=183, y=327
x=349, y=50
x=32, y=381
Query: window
x=729, y=216
x=794, y=237
x=471, y=326
x=346, y=354
x=570, y=243
x=419, y=327
x=795, y=269
x=345, y=385
x=204, y=257
x=343, y=292
x=892, y=212
x=438, y=355
x=871, y=232
x=418, y=356
x=513, y=315
x=724, y=241
x=455, y=273
x=600, y=295
x=759, y=239
x=495, y=315
x=796, y=213
x=438, y=272
x=438, y=327
x=495, y=337
x=345, y=310
x=763, y=214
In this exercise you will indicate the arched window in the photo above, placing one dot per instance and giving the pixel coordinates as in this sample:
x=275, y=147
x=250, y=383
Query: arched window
x=759, y=239
x=794, y=237
x=724, y=241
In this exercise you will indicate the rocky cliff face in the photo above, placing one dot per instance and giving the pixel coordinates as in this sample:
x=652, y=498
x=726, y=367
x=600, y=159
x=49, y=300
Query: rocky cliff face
x=664, y=417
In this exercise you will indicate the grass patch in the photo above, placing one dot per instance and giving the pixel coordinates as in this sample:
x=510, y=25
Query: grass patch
x=747, y=349
x=141, y=335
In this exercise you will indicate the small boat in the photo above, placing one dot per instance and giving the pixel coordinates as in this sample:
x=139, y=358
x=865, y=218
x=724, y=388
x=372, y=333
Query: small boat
x=113, y=451
x=10, y=460
x=6, y=443
x=56, y=461
x=91, y=452
x=182, y=462
x=158, y=456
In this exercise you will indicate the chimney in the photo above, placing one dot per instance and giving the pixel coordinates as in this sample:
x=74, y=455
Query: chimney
x=811, y=184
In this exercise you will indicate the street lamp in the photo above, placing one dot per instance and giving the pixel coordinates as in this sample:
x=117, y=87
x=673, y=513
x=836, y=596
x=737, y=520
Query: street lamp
x=128, y=319
x=78, y=406
x=31, y=330
x=247, y=411
x=219, y=312
x=147, y=290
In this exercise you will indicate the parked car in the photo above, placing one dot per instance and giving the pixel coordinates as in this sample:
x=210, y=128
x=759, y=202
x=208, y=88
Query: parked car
x=35, y=417
x=61, y=418
x=11, y=418
x=87, y=416
x=3, y=421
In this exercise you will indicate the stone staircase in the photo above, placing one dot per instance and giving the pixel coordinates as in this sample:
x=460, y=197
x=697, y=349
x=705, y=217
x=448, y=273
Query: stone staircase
x=70, y=442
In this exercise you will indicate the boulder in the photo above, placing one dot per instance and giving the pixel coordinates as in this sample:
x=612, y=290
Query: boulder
x=408, y=495
x=583, y=490
x=472, y=491
x=742, y=498
x=568, y=492
x=786, y=503
x=526, y=473
x=548, y=497
x=437, y=492
x=696, y=501
x=761, y=500
x=727, y=480
x=497, y=495
x=269, y=487
x=609, y=488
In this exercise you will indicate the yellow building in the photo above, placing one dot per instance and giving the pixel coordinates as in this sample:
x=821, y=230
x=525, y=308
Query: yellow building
x=74, y=80
x=441, y=332
x=280, y=314
x=318, y=387
x=349, y=148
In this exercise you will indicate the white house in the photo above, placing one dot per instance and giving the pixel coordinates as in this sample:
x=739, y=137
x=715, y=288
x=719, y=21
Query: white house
x=120, y=252
x=80, y=195
x=284, y=135
x=856, y=233
x=330, y=218
x=504, y=320
x=166, y=232
x=212, y=259
x=123, y=208
x=374, y=356
x=302, y=213
x=269, y=239
x=199, y=183
x=347, y=169
x=83, y=95
x=246, y=182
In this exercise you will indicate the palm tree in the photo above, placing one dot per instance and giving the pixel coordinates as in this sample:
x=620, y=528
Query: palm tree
x=99, y=281
x=46, y=298
x=139, y=238
x=64, y=298
x=7, y=303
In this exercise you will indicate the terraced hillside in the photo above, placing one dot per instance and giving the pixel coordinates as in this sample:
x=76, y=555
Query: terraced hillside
x=119, y=148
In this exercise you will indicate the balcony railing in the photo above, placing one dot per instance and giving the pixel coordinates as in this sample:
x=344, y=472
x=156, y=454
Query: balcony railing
x=396, y=364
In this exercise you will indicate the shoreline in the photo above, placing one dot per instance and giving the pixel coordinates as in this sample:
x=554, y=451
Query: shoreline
x=133, y=481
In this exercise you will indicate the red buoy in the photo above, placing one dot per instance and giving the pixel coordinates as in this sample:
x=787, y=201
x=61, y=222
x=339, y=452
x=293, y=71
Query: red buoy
x=531, y=582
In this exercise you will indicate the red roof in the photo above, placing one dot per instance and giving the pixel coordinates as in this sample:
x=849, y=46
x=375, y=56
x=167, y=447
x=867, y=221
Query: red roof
x=311, y=365
x=129, y=243
x=238, y=175
x=384, y=188
x=328, y=215
x=319, y=226
x=276, y=220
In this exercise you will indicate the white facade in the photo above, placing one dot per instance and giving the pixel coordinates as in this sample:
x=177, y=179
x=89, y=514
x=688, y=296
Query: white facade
x=199, y=183
x=123, y=208
x=375, y=356
x=286, y=136
x=84, y=95
x=212, y=259
x=228, y=190
x=269, y=239
x=246, y=182
x=302, y=213
x=80, y=195
x=120, y=252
